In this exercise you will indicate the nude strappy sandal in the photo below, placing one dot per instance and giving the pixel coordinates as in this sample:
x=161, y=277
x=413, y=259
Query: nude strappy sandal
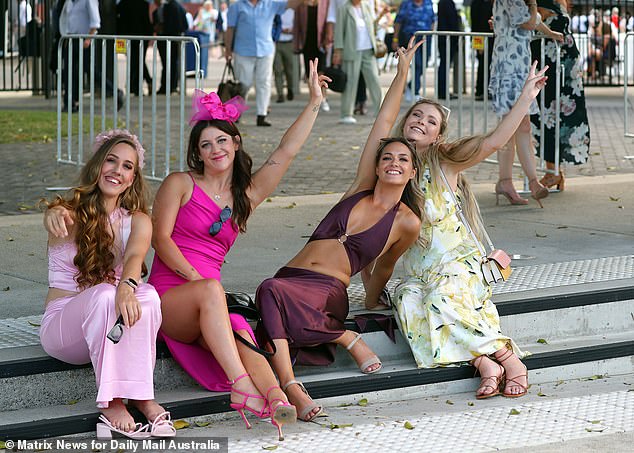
x=309, y=408
x=374, y=360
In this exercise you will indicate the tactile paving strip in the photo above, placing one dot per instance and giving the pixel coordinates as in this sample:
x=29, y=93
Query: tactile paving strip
x=491, y=429
x=540, y=276
x=24, y=331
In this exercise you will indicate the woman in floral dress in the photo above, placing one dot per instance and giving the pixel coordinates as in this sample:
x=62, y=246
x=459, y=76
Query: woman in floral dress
x=574, y=132
x=443, y=306
x=513, y=24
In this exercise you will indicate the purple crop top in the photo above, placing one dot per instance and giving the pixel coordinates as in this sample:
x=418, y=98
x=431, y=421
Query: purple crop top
x=62, y=270
x=364, y=247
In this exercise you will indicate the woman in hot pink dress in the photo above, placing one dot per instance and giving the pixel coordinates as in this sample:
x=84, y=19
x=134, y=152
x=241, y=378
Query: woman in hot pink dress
x=197, y=217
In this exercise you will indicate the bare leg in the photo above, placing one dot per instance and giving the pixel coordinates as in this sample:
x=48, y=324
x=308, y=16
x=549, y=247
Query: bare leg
x=283, y=366
x=360, y=352
x=199, y=309
x=525, y=148
x=260, y=371
x=118, y=415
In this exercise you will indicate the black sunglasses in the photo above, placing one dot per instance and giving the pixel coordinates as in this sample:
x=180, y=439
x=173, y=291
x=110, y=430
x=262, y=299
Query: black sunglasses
x=116, y=332
x=225, y=215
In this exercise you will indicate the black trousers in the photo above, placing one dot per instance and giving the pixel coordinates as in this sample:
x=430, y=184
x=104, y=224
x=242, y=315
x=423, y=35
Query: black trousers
x=174, y=64
x=480, y=88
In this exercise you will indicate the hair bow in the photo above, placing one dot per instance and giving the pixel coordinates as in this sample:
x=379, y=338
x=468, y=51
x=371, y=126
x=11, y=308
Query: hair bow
x=210, y=107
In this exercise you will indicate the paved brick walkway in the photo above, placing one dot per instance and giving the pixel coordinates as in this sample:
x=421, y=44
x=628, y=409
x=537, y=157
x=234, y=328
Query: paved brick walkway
x=326, y=164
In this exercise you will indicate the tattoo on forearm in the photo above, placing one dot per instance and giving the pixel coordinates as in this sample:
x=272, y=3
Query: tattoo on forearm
x=181, y=273
x=315, y=108
x=271, y=162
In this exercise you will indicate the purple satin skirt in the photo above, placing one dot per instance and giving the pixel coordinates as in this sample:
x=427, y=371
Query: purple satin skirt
x=306, y=308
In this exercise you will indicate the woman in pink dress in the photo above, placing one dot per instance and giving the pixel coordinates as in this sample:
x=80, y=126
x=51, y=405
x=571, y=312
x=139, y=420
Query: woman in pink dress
x=197, y=217
x=98, y=239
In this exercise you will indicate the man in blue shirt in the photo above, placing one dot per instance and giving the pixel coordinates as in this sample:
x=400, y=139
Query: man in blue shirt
x=248, y=42
x=413, y=16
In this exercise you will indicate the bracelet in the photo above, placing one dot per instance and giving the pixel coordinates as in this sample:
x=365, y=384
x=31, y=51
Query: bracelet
x=131, y=283
x=394, y=39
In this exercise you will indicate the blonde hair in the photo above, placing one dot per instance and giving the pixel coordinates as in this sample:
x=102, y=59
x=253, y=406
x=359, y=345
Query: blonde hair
x=456, y=152
x=93, y=233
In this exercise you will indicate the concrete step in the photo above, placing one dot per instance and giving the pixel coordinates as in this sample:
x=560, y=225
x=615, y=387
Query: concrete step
x=29, y=377
x=580, y=358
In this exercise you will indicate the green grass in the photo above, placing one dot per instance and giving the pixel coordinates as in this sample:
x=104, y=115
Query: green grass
x=27, y=126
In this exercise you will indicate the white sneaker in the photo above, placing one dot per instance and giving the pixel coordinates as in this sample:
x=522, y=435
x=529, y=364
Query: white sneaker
x=348, y=120
x=325, y=107
x=408, y=96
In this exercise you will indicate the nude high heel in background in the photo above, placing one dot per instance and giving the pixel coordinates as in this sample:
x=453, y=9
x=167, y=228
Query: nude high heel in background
x=512, y=196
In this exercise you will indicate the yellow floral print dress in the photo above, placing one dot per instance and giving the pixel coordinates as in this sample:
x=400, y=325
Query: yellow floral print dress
x=443, y=306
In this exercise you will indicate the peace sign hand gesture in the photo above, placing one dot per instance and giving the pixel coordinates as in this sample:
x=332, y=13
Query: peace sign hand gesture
x=535, y=81
x=405, y=55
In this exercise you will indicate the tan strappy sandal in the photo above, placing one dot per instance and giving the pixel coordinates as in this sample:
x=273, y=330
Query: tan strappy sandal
x=503, y=357
x=492, y=382
x=303, y=413
x=374, y=360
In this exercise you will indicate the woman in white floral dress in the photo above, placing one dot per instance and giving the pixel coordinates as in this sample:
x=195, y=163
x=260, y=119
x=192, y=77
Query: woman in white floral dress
x=443, y=306
x=513, y=25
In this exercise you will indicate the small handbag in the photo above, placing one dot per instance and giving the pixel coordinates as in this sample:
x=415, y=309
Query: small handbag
x=338, y=78
x=243, y=305
x=229, y=86
x=495, y=265
x=381, y=49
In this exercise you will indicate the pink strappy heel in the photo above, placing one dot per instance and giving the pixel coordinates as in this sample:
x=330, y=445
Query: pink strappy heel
x=240, y=407
x=162, y=426
x=105, y=430
x=283, y=413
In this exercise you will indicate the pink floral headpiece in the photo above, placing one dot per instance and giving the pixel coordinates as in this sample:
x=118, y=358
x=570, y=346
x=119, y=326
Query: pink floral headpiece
x=105, y=136
x=210, y=107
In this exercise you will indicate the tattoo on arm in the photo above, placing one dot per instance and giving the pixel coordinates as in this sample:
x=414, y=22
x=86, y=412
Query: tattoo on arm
x=315, y=108
x=181, y=273
x=271, y=162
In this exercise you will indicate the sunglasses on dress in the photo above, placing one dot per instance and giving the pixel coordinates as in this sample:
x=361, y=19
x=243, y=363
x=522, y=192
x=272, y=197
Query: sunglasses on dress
x=116, y=332
x=225, y=215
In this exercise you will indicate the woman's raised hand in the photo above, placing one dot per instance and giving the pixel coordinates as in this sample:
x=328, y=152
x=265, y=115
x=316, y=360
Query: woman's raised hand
x=535, y=81
x=316, y=82
x=405, y=55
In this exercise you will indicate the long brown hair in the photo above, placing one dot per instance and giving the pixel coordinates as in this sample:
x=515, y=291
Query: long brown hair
x=241, y=177
x=93, y=233
x=439, y=151
x=412, y=194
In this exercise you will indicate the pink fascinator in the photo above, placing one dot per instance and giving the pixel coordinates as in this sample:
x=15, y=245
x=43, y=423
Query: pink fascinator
x=106, y=136
x=210, y=107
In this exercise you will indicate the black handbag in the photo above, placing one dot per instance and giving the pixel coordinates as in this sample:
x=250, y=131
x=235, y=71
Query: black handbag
x=338, y=78
x=229, y=86
x=243, y=305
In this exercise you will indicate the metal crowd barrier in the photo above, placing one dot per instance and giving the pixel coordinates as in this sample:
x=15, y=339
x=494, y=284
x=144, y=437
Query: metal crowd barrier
x=629, y=60
x=468, y=110
x=158, y=161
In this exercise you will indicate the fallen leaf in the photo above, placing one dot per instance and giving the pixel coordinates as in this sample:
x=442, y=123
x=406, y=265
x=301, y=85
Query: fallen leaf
x=594, y=422
x=408, y=425
x=34, y=324
x=559, y=382
x=201, y=424
x=615, y=198
x=595, y=377
x=514, y=412
x=610, y=168
x=363, y=402
x=2, y=445
x=181, y=424
x=269, y=200
x=309, y=157
x=270, y=447
x=542, y=341
x=539, y=235
x=71, y=402
x=541, y=394
x=290, y=206
x=355, y=147
x=449, y=402
x=595, y=430
x=561, y=227
x=597, y=153
x=6, y=289
x=338, y=426
x=345, y=405
x=10, y=239
x=470, y=403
